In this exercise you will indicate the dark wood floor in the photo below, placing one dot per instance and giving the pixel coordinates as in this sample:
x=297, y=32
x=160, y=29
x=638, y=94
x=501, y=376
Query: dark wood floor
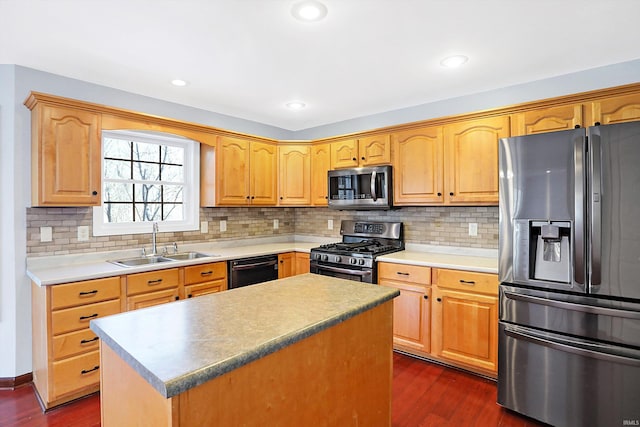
x=424, y=394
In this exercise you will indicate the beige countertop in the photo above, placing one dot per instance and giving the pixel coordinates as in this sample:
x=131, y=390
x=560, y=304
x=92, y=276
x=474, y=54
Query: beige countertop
x=479, y=260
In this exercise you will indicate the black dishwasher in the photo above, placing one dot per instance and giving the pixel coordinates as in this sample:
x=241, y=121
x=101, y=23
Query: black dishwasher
x=249, y=271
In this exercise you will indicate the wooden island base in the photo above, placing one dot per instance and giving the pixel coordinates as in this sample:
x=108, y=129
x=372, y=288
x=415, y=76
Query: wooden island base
x=340, y=376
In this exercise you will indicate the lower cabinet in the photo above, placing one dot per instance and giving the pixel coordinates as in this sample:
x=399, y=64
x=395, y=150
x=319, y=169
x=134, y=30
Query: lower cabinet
x=302, y=262
x=205, y=279
x=66, y=360
x=152, y=288
x=292, y=263
x=450, y=316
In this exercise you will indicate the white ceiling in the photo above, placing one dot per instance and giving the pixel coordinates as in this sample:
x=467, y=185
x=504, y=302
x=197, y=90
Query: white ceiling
x=247, y=58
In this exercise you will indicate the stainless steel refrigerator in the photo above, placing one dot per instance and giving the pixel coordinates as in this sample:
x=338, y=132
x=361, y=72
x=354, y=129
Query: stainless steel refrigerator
x=569, y=267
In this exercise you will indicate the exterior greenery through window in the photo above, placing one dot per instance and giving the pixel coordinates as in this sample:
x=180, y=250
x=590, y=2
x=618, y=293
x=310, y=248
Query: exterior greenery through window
x=146, y=177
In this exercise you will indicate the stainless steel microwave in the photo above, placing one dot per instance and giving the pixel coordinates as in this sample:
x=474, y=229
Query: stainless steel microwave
x=361, y=188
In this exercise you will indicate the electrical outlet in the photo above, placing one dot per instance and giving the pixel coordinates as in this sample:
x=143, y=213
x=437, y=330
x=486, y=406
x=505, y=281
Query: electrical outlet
x=223, y=225
x=204, y=227
x=83, y=233
x=46, y=234
x=276, y=224
x=473, y=229
x=329, y=224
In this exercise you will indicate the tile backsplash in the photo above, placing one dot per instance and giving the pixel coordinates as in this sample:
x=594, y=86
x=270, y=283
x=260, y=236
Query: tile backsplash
x=446, y=226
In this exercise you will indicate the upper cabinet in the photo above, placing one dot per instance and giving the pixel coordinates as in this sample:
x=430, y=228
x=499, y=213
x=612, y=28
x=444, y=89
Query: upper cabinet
x=320, y=165
x=66, y=156
x=245, y=172
x=471, y=160
x=366, y=151
x=615, y=110
x=547, y=120
x=418, y=166
x=295, y=175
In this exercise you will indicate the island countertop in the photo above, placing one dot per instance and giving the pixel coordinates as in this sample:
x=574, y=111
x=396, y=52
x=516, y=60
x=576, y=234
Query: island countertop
x=180, y=345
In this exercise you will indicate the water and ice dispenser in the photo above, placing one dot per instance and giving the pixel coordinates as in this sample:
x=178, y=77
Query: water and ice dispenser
x=543, y=251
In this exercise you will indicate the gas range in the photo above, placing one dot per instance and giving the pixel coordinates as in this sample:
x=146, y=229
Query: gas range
x=354, y=257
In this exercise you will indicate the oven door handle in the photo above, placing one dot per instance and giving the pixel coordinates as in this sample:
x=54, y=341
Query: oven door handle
x=254, y=265
x=361, y=273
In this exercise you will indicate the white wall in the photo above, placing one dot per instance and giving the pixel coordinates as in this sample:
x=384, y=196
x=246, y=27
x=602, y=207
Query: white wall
x=16, y=82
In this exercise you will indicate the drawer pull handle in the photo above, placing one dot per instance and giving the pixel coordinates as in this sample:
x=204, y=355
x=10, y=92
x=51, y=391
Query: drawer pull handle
x=88, y=341
x=206, y=273
x=85, y=293
x=467, y=282
x=86, y=371
x=154, y=282
x=402, y=273
x=91, y=316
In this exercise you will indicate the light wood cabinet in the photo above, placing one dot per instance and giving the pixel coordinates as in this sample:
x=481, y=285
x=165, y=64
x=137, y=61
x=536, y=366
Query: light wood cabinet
x=418, y=166
x=366, y=151
x=471, y=160
x=152, y=288
x=302, y=262
x=320, y=165
x=549, y=119
x=207, y=175
x=618, y=109
x=203, y=279
x=65, y=156
x=286, y=265
x=412, y=309
x=295, y=175
x=245, y=172
x=465, y=319
x=65, y=353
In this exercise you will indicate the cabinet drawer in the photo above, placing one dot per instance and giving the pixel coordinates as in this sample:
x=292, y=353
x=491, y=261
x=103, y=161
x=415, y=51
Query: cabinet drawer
x=205, y=288
x=73, y=343
x=86, y=292
x=404, y=273
x=467, y=281
x=152, y=281
x=73, y=319
x=75, y=373
x=205, y=272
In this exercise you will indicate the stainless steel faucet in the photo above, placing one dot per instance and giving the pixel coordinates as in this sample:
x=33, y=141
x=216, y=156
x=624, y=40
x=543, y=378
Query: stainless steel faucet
x=154, y=249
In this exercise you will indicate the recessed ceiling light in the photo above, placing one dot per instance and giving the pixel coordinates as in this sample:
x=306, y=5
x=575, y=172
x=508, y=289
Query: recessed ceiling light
x=295, y=105
x=178, y=82
x=454, y=61
x=309, y=10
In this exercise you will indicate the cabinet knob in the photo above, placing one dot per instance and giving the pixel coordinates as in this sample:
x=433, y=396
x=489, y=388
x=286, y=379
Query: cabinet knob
x=189, y=296
x=281, y=197
x=253, y=197
x=439, y=299
x=361, y=158
x=177, y=298
x=95, y=193
x=451, y=193
x=576, y=127
x=596, y=124
x=426, y=297
x=439, y=194
x=247, y=197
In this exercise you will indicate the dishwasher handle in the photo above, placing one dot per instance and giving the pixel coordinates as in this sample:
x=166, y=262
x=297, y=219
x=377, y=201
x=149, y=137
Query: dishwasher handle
x=241, y=267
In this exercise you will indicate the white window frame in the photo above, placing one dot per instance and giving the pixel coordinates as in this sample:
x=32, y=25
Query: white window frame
x=191, y=195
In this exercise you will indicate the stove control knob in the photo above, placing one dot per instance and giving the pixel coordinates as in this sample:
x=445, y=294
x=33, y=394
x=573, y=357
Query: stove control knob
x=325, y=257
x=337, y=258
x=352, y=261
x=361, y=261
x=317, y=256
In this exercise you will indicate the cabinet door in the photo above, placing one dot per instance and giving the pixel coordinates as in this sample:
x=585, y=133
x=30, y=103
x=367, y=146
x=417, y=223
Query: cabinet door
x=320, y=165
x=205, y=288
x=418, y=166
x=207, y=175
x=374, y=150
x=295, y=175
x=152, y=298
x=344, y=154
x=471, y=160
x=617, y=109
x=286, y=265
x=264, y=175
x=232, y=172
x=547, y=120
x=66, y=152
x=411, y=315
x=465, y=328
x=302, y=263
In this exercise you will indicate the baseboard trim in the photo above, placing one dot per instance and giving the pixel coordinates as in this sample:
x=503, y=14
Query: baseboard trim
x=12, y=383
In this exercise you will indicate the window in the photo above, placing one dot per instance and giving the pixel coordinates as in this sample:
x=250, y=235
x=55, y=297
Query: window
x=147, y=177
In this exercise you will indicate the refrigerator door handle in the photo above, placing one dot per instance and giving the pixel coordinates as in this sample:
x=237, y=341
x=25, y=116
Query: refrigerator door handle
x=595, y=226
x=604, y=311
x=579, y=202
x=598, y=351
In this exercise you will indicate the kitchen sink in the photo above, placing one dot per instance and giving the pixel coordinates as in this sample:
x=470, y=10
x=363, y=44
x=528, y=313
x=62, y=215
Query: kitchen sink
x=188, y=255
x=146, y=260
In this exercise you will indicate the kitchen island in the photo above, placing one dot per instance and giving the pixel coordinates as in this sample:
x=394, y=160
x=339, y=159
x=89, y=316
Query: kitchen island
x=306, y=350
